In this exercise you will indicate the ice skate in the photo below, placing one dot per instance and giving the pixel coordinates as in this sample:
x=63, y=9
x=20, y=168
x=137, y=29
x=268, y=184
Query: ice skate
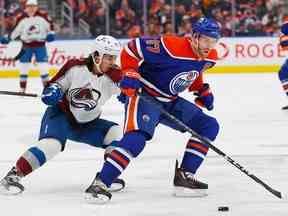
x=117, y=185
x=22, y=90
x=185, y=184
x=97, y=192
x=10, y=184
x=285, y=107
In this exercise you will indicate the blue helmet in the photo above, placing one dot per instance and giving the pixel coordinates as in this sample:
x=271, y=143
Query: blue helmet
x=208, y=27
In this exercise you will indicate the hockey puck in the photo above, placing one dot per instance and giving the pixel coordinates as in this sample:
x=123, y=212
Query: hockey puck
x=223, y=208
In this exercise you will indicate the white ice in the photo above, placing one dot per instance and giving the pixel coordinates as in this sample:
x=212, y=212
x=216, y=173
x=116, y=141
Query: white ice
x=253, y=132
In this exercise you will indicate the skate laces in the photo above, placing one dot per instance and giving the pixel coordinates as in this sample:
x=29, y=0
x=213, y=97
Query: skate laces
x=97, y=182
x=190, y=176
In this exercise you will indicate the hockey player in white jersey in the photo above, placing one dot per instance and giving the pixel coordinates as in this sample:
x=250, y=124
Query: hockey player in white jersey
x=34, y=28
x=75, y=97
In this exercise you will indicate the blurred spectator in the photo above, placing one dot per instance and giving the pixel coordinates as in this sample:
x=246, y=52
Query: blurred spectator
x=12, y=8
x=194, y=12
x=117, y=29
x=179, y=14
x=154, y=29
x=186, y=26
x=168, y=29
x=134, y=31
x=251, y=18
x=96, y=21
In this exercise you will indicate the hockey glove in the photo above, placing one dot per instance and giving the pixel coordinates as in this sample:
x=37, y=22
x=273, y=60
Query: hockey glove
x=52, y=94
x=50, y=37
x=130, y=83
x=122, y=98
x=4, y=40
x=204, y=97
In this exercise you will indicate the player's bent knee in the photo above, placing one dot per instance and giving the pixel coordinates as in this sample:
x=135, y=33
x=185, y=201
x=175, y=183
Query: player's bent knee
x=283, y=72
x=205, y=126
x=133, y=142
x=113, y=134
x=50, y=147
x=212, y=129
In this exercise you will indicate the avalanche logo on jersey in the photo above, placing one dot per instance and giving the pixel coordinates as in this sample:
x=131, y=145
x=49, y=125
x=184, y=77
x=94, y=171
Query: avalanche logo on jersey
x=33, y=29
x=84, y=98
x=182, y=81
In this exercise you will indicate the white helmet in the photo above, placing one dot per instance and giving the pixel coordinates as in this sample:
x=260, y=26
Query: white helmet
x=31, y=2
x=105, y=44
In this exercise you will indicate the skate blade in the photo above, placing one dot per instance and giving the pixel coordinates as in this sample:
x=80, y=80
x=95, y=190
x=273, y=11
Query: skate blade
x=99, y=200
x=116, y=187
x=10, y=190
x=187, y=192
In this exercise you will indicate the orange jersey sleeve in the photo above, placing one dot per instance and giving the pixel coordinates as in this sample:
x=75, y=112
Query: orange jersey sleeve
x=129, y=57
x=197, y=84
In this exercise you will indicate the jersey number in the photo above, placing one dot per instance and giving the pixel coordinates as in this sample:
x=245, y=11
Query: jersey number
x=153, y=45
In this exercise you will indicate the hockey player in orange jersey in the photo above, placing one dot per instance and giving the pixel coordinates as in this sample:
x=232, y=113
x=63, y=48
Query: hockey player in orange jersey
x=163, y=67
x=283, y=72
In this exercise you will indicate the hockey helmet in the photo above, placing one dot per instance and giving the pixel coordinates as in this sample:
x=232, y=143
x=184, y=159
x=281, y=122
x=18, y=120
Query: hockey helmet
x=105, y=44
x=31, y=2
x=208, y=27
x=284, y=27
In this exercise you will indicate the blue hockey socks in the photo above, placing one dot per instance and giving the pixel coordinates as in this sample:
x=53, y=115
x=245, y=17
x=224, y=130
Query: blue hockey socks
x=194, y=155
x=131, y=145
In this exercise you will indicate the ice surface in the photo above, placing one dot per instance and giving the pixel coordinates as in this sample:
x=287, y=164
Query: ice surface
x=253, y=132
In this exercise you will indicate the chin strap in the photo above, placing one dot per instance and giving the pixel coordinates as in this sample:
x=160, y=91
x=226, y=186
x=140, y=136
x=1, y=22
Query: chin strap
x=97, y=65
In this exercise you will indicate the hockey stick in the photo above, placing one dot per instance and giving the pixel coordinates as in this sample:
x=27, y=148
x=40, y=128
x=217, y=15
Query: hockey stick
x=18, y=94
x=207, y=142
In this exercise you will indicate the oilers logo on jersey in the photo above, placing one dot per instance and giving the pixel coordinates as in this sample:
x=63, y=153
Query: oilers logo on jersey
x=182, y=81
x=84, y=98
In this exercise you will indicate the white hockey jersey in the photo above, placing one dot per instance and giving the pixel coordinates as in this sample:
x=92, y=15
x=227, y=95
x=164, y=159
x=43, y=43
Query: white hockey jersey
x=85, y=92
x=32, y=29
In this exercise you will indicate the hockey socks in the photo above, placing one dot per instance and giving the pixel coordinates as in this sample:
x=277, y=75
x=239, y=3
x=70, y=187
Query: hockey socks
x=114, y=165
x=194, y=155
x=36, y=156
x=131, y=145
x=24, y=70
x=285, y=86
x=283, y=76
x=23, y=82
x=30, y=160
x=43, y=67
